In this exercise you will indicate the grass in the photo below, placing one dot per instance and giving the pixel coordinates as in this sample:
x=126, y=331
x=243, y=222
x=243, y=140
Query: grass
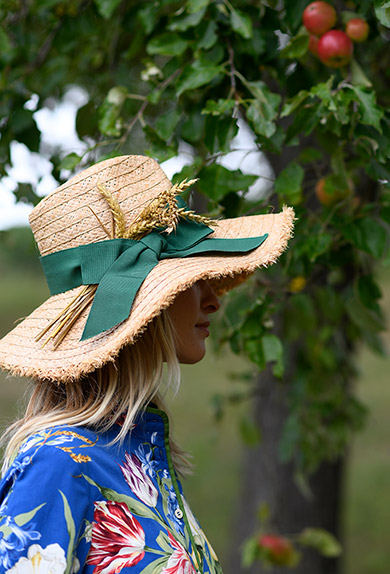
x=216, y=446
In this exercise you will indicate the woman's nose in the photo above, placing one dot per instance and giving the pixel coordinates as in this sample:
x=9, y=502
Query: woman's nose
x=210, y=302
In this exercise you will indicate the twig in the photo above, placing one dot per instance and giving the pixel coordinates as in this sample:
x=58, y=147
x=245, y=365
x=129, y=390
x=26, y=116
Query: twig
x=139, y=114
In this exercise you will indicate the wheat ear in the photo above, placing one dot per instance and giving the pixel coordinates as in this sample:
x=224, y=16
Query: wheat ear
x=117, y=213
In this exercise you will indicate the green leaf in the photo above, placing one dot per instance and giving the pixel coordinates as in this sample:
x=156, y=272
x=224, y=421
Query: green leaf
x=218, y=108
x=288, y=185
x=25, y=193
x=250, y=552
x=135, y=506
x=219, y=132
x=26, y=130
x=70, y=161
x=273, y=352
x=296, y=48
x=241, y=23
x=368, y=235
x=22, y=120
x=196, y=5
x=71, y=531
x=106, y=8
x=159, y=148
x=192, y=127
x=157, y=565
x=322, y=540
x=148, y=15
x=254, y=351
x=368, y=320
x=86, y=121
x=216, y=181
x=294, y=12
x=166, y=124
x=250, y=433
x=369, y=292
x=167, y=44
x=371, y=113
x=293, y=103
x=382, y=11
x=209, y=37
x=196, y=75
x=108, y=119
x=5, y=47
x=358, y=76
x=182, y=23
x=305, y=121
x=262, y=121
x=310, y=155
x=263, y=111
x=163, y=541
x=22, y=519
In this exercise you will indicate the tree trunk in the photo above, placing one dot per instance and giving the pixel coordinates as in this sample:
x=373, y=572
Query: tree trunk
x=266, y=480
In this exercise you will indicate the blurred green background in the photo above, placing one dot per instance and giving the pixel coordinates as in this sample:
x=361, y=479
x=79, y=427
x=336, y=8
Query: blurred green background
x=213, y=489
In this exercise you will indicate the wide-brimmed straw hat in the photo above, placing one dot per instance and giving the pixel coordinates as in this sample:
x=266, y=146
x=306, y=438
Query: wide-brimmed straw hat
x=88, y=231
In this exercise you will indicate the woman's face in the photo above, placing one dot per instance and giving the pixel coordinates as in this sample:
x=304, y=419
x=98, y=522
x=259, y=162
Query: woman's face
x=189, y=314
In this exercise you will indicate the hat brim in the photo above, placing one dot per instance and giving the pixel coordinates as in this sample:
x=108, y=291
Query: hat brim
x=73, y=358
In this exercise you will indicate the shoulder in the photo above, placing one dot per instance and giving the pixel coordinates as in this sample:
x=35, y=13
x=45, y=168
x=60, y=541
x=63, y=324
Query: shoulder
x=51, y=457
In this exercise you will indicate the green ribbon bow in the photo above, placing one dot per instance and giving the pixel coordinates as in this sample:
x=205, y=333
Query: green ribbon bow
x=119, y=267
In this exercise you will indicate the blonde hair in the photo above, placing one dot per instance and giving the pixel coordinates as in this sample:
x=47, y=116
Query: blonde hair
x=98, y=400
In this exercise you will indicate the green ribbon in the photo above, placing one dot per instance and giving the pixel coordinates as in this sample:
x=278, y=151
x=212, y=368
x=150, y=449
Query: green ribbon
x=119, y=267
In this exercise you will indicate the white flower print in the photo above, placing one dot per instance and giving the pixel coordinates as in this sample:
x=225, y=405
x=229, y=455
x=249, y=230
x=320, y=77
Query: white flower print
x=49, y=560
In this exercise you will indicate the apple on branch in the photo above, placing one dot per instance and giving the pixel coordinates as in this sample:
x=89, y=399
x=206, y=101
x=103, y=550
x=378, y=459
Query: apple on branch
x=357, y=29
x=335, y=49
x=319, y=17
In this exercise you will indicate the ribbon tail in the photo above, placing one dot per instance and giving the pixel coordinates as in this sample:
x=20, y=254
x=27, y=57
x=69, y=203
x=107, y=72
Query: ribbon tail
x=220, y=245
x=111, y=306
x=117, y=290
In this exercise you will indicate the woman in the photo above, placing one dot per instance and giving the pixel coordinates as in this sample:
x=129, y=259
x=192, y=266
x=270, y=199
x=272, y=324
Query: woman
x=90, y=480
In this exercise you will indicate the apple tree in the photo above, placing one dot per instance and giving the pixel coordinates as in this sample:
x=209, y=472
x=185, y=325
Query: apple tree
x=163, y=76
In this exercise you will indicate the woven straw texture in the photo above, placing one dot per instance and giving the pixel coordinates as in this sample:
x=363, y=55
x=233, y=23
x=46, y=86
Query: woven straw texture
x=70, y=216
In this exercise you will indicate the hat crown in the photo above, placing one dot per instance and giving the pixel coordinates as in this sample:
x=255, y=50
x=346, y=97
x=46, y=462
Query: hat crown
x=76, y=213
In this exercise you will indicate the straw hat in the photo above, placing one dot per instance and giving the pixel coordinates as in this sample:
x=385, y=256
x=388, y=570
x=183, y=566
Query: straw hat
x=81, y=212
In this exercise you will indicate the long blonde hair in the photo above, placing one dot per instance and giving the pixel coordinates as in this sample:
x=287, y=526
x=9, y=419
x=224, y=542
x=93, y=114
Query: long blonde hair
x=129, y=384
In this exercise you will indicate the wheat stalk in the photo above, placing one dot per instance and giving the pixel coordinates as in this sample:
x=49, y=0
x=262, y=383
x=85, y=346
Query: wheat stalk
x=65, y=320
x=110, y=235
x=192, y=216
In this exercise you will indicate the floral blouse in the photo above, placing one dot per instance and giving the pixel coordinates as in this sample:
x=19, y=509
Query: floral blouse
x=71, y=503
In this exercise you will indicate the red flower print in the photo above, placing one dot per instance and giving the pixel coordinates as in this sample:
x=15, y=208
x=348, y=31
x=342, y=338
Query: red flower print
x=118, y=539
x=179, y=562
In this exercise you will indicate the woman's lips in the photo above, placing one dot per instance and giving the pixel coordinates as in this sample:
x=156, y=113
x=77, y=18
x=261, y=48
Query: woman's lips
x=204, y=327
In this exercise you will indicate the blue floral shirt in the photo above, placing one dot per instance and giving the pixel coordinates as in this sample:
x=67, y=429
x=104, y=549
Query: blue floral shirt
x=71, y=503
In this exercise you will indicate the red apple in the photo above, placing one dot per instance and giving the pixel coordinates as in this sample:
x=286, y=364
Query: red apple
x=335, y=49
x=357, y=29
x=313, y=44
x=331, y=189
x=279, y=549
x=319, y=17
